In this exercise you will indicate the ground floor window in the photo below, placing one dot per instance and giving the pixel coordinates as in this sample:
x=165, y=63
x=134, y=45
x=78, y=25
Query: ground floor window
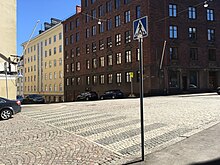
x=174, y=79
x=193, y=79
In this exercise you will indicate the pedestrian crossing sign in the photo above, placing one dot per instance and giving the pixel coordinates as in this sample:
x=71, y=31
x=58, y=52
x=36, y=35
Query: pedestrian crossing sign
x=140, y=28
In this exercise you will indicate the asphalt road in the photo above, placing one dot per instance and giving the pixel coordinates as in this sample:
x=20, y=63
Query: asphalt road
x=111, y=127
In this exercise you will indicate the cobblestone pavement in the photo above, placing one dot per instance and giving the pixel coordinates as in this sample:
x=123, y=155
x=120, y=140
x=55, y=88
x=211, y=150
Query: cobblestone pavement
x=29, y=142
x=115, y=124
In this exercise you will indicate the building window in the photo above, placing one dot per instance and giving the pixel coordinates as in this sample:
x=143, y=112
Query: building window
x=138, y=11
x=101, y=44
x=128, y=56
x=50, y=76
x=71, y=39
x=102, y=61
x=118, y=58
x=54, y=50
x=94, y=63
x=60, y=87
x=118, y=39
x=93, y=14
x=45, y=53
x=192, y=33
x=60, y=74
x=60, y=48
x=77, y=51
x=60, y=36
x=77, y=22
x=78, y=66
x=118, y=78
x=95, y=80
x=87, y=17
x=192, y=13
x=50, y=52
x=87, y=48
x=93, y=30
x=127, y=36
x=117, y=4
x=102, y=79
x=60, y=61
x=55, y=63
x=212, y=54
x=101, y=11
x=101, y=27
x=87, y=64
x=109, y=60
x=173, y=53
x=93, y=47
x=127, y=1
x=127, y=77
x=193, y=79
x=93, y=1
x=78, y=81
x=211, y=34
x=109, y=42
x=77, y=37
x=193, y=53
x=127, y=16
x=72, y=67
x=54, y=38
x=172, y=10
x=173, y=79
x=109, y=6
x=66, y=28
x=71, y=25
x=109, y=24
x=55, y=75
x=66, y=41
x=173, y=31
x=49, y=40
x=67, y=68
x=87, y=33
x=210, y=15
x=110, y=78
x=87, y=80
x=117, y=21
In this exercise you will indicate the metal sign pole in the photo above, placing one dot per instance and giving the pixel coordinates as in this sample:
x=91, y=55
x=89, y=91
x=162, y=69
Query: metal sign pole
x=140, y=40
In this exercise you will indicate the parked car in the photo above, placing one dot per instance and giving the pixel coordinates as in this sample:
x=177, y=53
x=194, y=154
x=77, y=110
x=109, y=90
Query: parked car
x=87, y=96
x=20, y=98
x=218, y=90
x=112, y=94
x=33, y=98
x=9, y=108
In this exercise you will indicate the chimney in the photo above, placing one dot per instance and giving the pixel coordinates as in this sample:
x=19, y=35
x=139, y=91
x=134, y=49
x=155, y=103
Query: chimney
x=78, y=9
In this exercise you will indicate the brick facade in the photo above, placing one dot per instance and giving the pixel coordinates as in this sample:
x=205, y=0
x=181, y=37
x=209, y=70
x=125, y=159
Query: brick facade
x=183, y=73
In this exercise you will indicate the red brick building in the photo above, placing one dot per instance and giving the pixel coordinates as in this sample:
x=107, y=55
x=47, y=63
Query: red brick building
x=100, y=51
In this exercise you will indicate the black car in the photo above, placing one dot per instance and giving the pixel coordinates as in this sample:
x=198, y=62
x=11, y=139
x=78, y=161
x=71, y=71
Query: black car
x=33, y=99
x=218, y=90
x=87, y=96
x=112, y=94
x=9, y=108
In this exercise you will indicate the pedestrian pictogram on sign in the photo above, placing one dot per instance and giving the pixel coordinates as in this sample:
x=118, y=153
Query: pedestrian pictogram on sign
x=140, y=27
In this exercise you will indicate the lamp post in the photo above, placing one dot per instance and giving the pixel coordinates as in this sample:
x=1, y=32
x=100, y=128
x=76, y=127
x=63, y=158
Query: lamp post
x=6, y=78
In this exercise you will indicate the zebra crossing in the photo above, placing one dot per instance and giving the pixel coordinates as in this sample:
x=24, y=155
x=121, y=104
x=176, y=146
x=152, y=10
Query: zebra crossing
x=114, y=131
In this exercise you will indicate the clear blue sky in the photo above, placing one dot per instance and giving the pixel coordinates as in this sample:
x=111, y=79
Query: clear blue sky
x=29, y=11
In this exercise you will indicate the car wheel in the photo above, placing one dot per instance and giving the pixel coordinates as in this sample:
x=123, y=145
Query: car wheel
x=87, y=99
x=5, y=114
x=113, y=97
x=101, y=98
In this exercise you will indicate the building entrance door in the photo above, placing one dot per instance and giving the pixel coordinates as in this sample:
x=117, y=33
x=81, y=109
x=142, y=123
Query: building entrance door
x=213, y=80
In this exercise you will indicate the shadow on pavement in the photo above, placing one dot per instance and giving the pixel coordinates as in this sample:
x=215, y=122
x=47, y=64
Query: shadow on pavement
x=211, y=162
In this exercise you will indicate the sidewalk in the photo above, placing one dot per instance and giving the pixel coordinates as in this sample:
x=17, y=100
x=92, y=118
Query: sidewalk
x=202, y=148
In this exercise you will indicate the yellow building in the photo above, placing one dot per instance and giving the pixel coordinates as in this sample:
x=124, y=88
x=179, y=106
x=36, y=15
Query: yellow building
x=43, y=64
x=7, y=48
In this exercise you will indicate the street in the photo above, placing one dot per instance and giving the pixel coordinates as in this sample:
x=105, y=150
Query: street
x=103, y=132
